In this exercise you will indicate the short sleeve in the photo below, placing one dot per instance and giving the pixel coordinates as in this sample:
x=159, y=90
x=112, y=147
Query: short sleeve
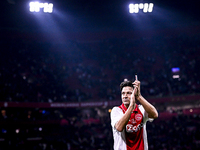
x=115, y=115
x=145, y=114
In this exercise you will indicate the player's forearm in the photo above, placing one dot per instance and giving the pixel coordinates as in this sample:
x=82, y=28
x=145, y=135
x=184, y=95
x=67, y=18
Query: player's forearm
x=149, y=108
x=120, y=125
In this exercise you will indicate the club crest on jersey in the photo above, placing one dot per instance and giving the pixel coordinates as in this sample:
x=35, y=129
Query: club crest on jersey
x=138, y=117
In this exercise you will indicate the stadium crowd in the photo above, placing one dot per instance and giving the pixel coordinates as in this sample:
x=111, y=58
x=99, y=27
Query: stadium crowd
x=61, y=130
x=74, y=71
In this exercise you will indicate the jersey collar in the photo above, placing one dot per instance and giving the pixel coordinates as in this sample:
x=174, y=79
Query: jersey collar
x=125, y=109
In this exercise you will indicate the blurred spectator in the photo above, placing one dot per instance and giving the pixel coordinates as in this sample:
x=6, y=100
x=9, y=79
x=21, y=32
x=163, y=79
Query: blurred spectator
x=71, y=132
x=72, y=71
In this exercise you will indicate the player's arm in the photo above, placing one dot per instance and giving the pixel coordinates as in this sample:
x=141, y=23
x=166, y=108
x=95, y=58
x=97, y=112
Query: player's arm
x=120, y=125
x=149, y=108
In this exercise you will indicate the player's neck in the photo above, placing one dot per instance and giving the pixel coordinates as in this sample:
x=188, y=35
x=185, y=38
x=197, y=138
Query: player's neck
x=128, y=106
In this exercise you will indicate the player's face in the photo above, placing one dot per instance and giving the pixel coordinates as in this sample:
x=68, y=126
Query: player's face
x=126, y=95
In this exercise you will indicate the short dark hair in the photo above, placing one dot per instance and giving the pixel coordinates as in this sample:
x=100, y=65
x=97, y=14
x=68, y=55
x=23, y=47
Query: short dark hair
x=126, y=83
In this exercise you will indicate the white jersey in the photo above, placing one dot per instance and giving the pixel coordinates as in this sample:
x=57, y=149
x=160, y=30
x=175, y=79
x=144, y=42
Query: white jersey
x=134, y=136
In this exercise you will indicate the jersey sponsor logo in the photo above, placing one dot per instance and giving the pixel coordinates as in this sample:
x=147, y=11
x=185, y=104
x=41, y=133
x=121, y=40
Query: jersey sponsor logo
x=138, y=117
x=130, y=128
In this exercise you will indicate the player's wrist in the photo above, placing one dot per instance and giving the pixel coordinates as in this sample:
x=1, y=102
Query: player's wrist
x=131, y=105
x=138, y=97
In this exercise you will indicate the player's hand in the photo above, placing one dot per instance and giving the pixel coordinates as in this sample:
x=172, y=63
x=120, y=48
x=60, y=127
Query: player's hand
x=132, y=101
x=136, y=84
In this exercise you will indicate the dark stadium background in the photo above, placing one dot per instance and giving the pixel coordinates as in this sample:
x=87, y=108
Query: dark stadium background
x=60, y=72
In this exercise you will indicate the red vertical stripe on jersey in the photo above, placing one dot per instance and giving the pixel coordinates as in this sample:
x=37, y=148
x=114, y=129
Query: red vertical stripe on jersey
x=134, y=129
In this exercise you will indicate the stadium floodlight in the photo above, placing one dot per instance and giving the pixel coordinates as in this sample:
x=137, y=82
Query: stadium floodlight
x=133, y=8
x=141, y=6
x=48, y=7
x=146, y=7
x=151, y=7
x=36, y=6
